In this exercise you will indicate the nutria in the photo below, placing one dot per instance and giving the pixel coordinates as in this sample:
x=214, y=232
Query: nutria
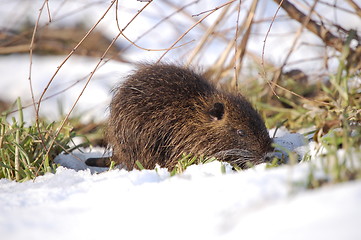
x=162, y=111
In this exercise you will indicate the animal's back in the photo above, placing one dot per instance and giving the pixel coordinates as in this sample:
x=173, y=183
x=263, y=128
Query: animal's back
x=161, y=85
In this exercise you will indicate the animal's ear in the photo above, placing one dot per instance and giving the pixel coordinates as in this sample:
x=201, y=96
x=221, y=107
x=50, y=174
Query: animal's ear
x=217, y=111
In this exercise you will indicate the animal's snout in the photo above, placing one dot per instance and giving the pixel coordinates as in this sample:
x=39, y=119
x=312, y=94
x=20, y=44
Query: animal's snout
x=269, y=156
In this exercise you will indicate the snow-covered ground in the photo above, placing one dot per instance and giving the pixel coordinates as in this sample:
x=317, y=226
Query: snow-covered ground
x=201, y=203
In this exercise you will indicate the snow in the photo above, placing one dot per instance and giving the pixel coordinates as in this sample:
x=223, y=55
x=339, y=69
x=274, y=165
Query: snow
x=202, y=202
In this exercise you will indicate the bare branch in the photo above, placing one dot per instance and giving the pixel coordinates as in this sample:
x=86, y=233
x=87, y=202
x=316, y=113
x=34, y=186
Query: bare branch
x=354, y=56
x=241, y=49
x=327, y=37
x=355, y=6
x=199, y=21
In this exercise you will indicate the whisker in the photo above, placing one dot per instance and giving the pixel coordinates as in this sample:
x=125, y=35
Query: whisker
x=242, y=158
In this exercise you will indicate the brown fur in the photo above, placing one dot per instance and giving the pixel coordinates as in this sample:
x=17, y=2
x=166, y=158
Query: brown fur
x=162, y=111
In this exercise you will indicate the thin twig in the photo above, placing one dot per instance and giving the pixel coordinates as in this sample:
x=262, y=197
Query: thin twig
x=264, y=74
x=47, y=7
x=334, y=5
x=236, y=69
x=294, y=43
x=68, y=56
x=155, y=49
x=277, y=85
x=242, y=47
x=195, y=24
x=133, y=43
x=31, y=47
x=355, y=6
x=79, y=96
x=206, y=35
x=91, y=74
x=211, y=10
x=219, y=65
x=326, y=36
x=37, y=109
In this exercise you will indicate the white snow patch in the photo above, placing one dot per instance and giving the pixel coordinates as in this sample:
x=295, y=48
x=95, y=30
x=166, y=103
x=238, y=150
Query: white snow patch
x=202, y=202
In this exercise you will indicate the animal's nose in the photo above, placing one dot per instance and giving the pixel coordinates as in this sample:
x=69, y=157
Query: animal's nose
x=269, y=156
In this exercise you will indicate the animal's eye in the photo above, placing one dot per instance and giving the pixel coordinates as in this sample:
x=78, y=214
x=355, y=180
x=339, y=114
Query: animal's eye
x=241, y=133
